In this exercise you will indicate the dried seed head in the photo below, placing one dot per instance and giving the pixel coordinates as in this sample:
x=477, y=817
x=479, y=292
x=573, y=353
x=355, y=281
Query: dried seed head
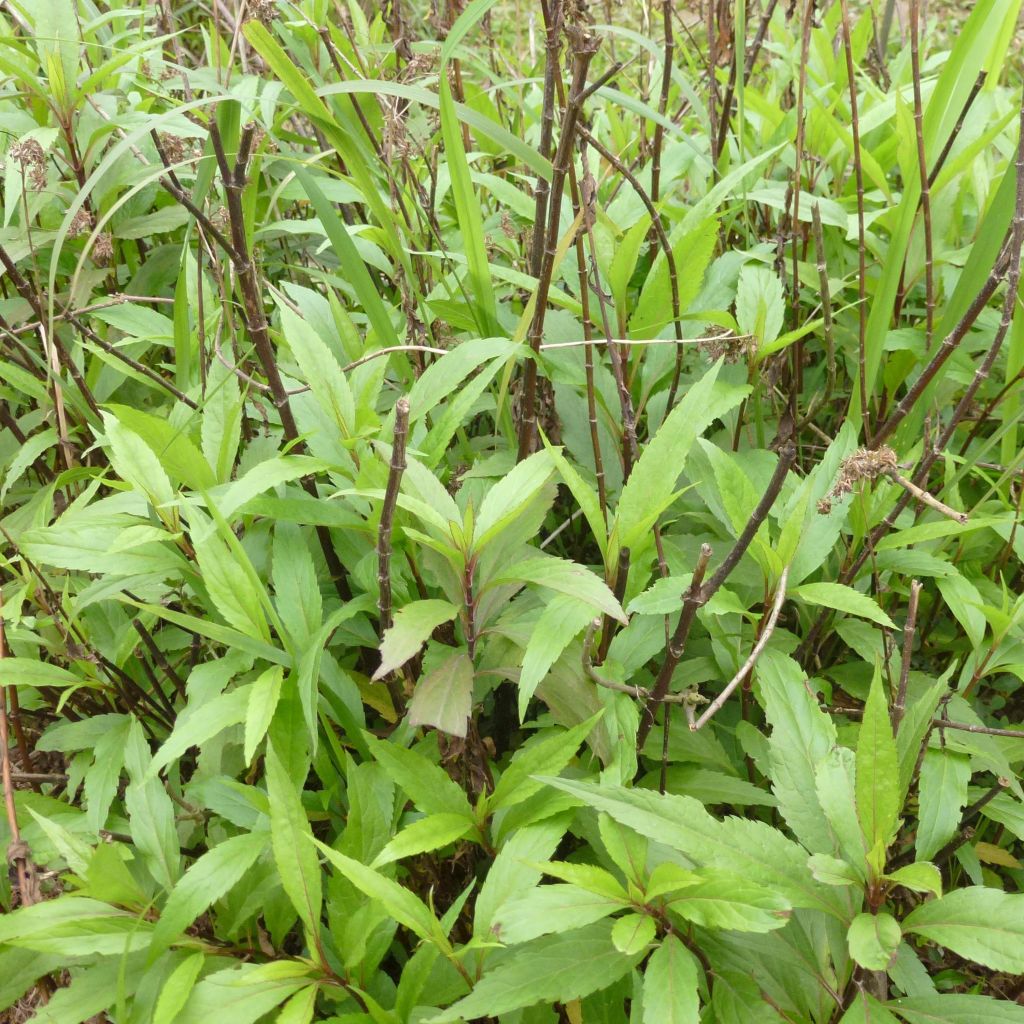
x=863, y=464
x=174, y=147
x=507, y=227
x=395, y=143
x=29, y=154
x=733, y=348
x=103, y=250
x=262, y=10
x=80, y=223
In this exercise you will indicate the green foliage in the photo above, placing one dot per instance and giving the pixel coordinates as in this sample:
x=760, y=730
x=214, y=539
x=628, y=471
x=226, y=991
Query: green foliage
x=380, y=648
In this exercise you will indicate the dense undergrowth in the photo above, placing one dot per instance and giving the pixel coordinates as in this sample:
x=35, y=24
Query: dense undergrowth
x=511, y=513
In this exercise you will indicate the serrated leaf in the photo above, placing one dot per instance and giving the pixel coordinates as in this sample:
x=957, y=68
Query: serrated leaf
x=428, y=785
x=564, y=576
x=547, y=755
x=670, y=985
x=843, y=599
x=430, y=833
x=556, y=968
x=412, y=627
x=399, y=902
x=942, y=795
x=921, y=876
x=551, y=908
x=562, y=620
x=978, y=923
x=210, y=878
x=291, y=834
x=443, y=698
x=878, y=803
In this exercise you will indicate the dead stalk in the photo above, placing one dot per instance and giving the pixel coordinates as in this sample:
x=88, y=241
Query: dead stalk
x=748, y=665
x=858, y=170
x=922, y=164
x=909, y=629
x=387, y=515
x=584, y=48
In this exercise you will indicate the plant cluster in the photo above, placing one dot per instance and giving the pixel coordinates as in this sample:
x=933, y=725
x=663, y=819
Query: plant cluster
x=511, y=513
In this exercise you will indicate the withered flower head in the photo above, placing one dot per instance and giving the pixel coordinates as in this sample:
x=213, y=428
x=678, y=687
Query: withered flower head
x=30, y=155
x=863, y=464
x=103, y=250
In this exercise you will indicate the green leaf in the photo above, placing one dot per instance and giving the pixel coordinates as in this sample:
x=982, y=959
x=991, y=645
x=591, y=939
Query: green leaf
x=230, y=587
x=562, y=620
x=651, y=485
x=692, y=253
x=542, y=757
x=958, y=1009
x=843, y=599
x=633, y=933
x=551, y=908
x=400, y=903
x=980, y=924
x=510, y=495
x=878, y=800
x=760, y=310
x=467, y=208
x=150, y=812
x=556, y=968
x=428, y=785
x=259, y=713
x=873, y=940
x=921, y=876
x=443, y=697
x=566, y=577
x=726, y=902
x=942, y=795
x=210, y=878
x=344, y=248
x=430, y=833
x=802, y=735
x=515, y=870
x=411, y=629
x=296, y=859
x=195, y=725
x=177, y=989
x=243, y=994
x=752, y=849
x=320, y=369
x=670, y=985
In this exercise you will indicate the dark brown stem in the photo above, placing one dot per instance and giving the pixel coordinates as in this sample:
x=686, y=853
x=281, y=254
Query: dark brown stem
x=17, y=851
x=676, y=646
x=968, y=103
x=909, y=629
x=387, y=515
x=922, y=164
x=748, y=66
x=862, y=272
x=666, y=82
x=160, y=658
x=821, y=401
x=256, y=322
x=965, y=832
x=945, y=350
x=584, y=48
x=619, y=590
x=663, y=241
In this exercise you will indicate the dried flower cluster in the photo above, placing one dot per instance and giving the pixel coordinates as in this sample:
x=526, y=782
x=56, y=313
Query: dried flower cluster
x=863, y=464
x=30, y=155
x=734, y=348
